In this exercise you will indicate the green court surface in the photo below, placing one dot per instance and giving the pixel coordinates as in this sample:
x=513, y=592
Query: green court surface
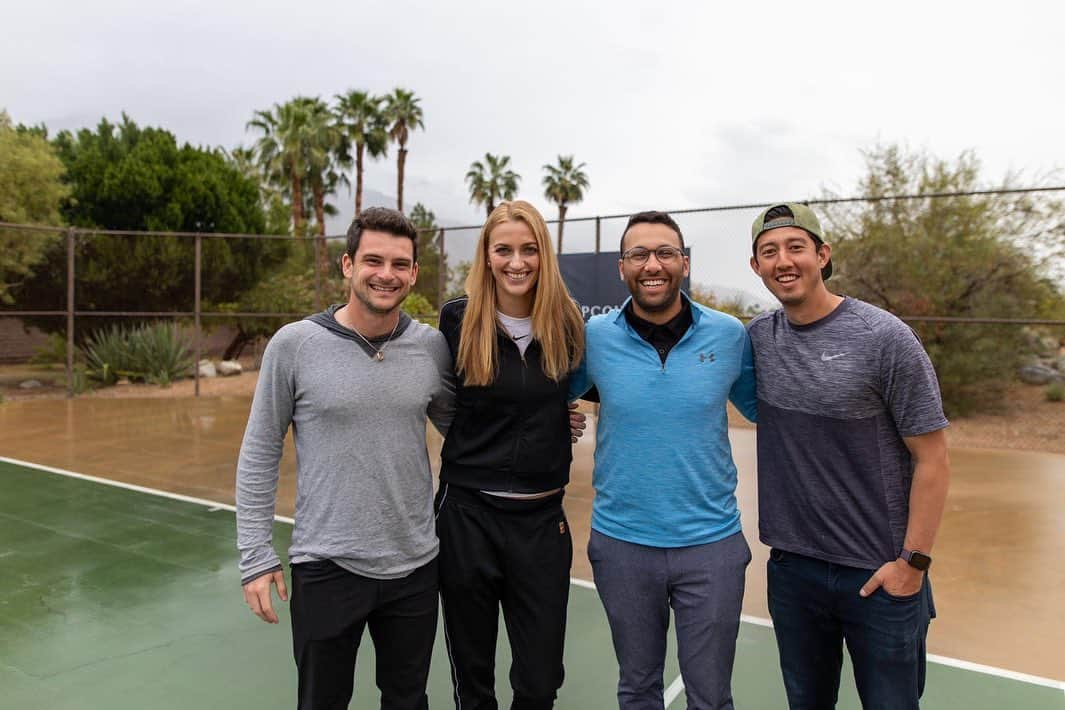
x=117, y=598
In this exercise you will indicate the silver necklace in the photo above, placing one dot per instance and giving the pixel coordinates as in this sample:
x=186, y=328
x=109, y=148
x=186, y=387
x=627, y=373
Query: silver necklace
x=379, y=353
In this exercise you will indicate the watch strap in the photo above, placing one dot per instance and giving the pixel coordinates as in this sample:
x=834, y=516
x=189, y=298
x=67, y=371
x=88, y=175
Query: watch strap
x=916, y=559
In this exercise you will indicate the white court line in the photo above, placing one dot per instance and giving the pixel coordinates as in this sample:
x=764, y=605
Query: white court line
x=999, y=672
x=673, y=691
x=211, y=505
x=758, y=621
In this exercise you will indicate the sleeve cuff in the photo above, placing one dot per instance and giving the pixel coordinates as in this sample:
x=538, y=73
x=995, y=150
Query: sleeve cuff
x=256, y=575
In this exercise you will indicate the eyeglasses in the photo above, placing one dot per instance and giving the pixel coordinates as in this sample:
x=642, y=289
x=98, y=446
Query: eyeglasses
x=640, y=255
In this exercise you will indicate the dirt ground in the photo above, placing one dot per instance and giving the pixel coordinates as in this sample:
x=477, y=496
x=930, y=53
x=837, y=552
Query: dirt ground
x=1027, y=422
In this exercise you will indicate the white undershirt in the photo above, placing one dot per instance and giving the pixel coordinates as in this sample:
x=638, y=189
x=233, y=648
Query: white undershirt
x=519, y=330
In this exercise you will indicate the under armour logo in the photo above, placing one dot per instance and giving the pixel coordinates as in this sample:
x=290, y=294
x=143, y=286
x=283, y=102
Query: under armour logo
x=706, y=357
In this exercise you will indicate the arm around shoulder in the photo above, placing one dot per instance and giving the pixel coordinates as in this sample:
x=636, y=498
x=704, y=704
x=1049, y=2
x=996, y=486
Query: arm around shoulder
x=441, y=410
x=744, y=393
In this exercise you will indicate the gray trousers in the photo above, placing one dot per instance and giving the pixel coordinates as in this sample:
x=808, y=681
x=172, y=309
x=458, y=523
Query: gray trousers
x=704, y=586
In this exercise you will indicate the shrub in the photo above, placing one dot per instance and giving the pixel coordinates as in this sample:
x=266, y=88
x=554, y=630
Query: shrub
x=80, y=382
x=155, y=353
x=418, y=307
x=53, y=352
x=969, y=255
x=107, y=354
x=160, y=354
x=1055, y=392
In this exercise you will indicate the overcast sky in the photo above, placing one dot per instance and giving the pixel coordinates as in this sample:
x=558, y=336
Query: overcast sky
x=671, y=106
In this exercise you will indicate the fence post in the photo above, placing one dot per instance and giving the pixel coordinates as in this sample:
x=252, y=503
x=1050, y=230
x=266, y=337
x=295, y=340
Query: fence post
x=317, y=276
x=441, y=271
x=70, y=313
x=196, y=309
x=597, y=225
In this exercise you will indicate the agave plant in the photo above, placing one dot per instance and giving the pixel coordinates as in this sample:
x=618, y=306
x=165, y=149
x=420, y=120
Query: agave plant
x=107, y=355
x=160, y=354
x=155, y=353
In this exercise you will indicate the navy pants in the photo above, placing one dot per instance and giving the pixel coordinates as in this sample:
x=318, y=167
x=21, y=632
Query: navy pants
x=816, y=607
x=703, y=584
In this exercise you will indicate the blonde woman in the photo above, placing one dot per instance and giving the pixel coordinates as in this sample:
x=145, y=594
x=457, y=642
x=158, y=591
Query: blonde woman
x=504, y=539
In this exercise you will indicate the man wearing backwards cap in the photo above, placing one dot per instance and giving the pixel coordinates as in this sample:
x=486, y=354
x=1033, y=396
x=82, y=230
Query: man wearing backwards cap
x=852, y=475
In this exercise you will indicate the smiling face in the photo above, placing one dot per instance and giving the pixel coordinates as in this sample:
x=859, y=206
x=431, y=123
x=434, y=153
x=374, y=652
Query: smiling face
x=789, y=263
x=514, y=260
x=655, y=287
x=382, y=272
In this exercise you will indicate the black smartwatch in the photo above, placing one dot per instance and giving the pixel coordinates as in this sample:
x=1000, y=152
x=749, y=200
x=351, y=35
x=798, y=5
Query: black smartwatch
x=917, y=559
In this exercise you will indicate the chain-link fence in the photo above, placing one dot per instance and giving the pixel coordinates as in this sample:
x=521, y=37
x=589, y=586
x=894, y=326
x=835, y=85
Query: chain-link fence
x=89, y=279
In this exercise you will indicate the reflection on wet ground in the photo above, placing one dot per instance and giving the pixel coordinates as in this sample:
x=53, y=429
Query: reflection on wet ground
x=997, y=576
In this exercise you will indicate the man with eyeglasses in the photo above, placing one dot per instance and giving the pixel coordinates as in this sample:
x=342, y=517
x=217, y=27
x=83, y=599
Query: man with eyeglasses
x=665, y=524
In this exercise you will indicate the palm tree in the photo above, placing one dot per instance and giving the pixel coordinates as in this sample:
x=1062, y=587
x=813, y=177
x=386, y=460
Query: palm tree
x=244, y=160
x=564, y=184
x=326, y=155
x=282, y=149
x=404, y=114
x=491, y=181
x=362, y=119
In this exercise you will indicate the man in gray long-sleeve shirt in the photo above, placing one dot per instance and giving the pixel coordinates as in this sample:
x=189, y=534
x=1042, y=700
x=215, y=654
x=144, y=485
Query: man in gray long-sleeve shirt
x=356, y=384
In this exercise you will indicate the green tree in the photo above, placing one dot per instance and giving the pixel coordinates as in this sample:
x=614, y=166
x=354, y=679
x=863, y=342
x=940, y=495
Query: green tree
x=31, y=191
x=403, y=115
x=131, y=178
x=972, y=255
x=492, y=181
x=363, y=122
x=564, y=184
x=429, y=259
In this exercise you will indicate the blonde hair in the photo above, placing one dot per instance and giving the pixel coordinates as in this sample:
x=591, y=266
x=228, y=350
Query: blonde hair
x=556, y=321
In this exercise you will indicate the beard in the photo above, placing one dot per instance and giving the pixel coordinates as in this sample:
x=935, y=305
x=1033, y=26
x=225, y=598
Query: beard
x=657, y=305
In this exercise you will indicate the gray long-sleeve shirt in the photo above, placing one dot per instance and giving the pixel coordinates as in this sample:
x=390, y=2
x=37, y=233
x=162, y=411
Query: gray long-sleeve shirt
x=364, y=487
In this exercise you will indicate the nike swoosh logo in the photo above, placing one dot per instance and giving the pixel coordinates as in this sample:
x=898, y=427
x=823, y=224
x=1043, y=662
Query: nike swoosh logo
x=826, y=358
x=519, y=337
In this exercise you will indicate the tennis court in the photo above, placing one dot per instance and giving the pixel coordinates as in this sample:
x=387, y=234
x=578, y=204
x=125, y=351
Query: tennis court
x=124, y=597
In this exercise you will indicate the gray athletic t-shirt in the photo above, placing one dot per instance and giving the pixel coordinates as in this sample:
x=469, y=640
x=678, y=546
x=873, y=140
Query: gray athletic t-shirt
x=835, y=399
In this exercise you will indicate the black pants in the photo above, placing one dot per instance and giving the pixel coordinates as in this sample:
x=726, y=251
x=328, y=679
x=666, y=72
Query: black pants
x=331, y=607
x=514, y=554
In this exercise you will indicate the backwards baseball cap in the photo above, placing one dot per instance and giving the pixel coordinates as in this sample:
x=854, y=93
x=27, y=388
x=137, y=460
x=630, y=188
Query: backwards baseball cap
x=800, y=216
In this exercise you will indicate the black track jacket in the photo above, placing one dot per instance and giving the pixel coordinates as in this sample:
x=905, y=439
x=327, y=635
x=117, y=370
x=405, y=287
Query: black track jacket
x=512, y=435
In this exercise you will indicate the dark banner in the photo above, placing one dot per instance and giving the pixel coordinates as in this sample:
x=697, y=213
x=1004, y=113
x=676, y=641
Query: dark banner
x=594, y=282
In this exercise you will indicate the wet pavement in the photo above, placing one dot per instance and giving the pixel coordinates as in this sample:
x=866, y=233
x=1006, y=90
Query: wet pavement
x=997, y=577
